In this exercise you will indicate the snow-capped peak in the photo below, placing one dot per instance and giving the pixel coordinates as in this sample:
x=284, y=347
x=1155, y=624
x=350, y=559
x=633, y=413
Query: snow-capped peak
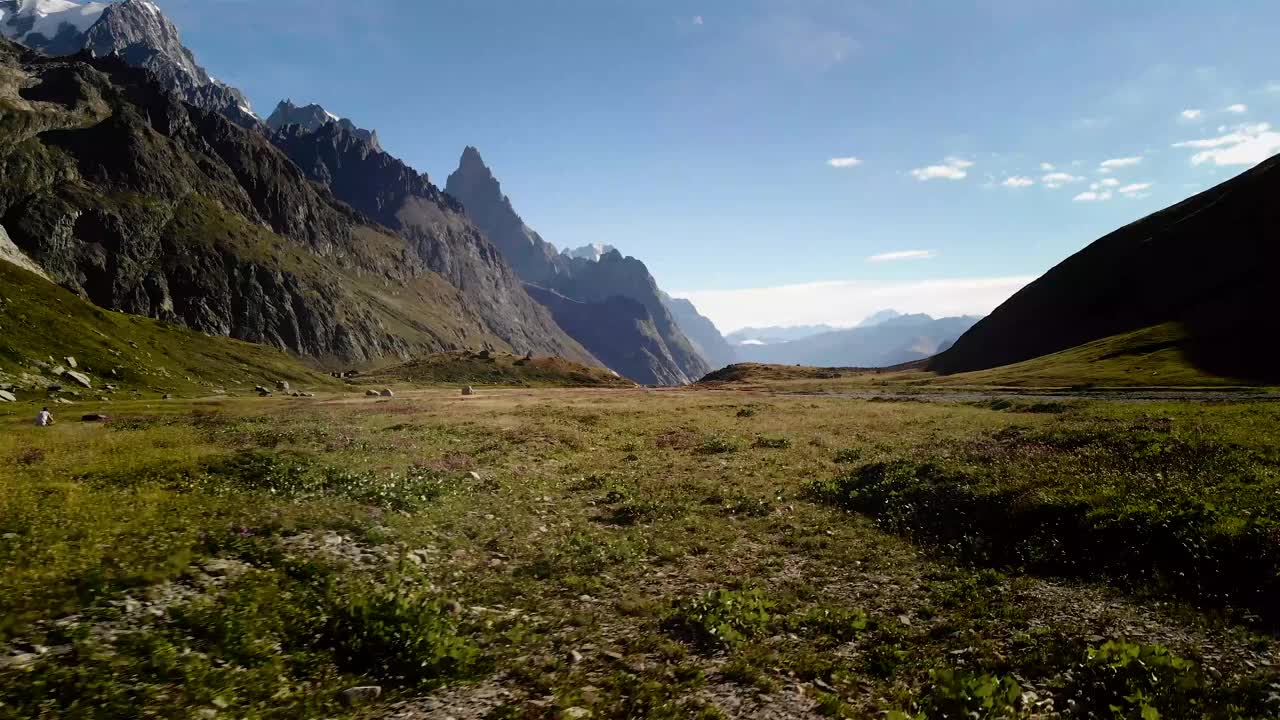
x=592, y=252
x=22, y=20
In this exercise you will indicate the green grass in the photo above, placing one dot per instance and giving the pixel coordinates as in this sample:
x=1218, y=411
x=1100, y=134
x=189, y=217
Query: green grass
x=43, y=322
x=636, y=554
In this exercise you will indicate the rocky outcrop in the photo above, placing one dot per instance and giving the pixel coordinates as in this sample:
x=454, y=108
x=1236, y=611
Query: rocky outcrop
x=11, y=254
x=142, y=203
x=617, y=330
x=311, y=118
x=702, y=333
x=437, y=232
x=589, y=281
x=135, y=30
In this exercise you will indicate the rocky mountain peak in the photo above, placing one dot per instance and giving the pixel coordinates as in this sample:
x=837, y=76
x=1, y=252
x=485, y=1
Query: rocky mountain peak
x=135, y=30
x=593, y=252
x=313, y=117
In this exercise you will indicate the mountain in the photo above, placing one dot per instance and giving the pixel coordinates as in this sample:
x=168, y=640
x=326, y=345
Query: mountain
x=879, y=317
x=1207, y=264
x=592, y=283
x=141, y=203
x=774, y=335
x=136, y=30
x=439, y=236
x=703, y=333
x=902, y=339
x=313, y=117
x=592, y=252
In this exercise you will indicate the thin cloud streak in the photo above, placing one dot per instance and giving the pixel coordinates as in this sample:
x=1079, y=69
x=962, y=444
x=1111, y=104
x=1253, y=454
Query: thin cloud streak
x=903, y=255
x=844, y=162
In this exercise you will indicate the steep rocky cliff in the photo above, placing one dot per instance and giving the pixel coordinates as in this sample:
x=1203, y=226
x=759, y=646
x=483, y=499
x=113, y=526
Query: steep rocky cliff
x=702, y=333
x=313, y=117
x=593, y=283
x=435, y=228
x=137, y=31
x=144, y=204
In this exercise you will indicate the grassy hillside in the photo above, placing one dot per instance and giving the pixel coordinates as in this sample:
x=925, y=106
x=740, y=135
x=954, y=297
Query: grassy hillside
x=1149, y=358
x=1206, y=264
x=43, y=323
x=493, y=368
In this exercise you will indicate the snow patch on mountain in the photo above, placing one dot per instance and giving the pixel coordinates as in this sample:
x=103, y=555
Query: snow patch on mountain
x=592, y=252
x=22, y=20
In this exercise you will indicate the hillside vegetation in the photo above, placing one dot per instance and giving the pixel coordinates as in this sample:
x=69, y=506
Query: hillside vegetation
x=42, y=324
x=1153, y=357
x=493, y=368
x=632, y=554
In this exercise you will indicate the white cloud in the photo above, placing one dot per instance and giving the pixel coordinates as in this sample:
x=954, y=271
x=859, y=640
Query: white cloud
x=1018, y=181
x=903, y=255
x=1104, y=183
x=697, y=19
x=844, y=303
x=1053, y=181
x=1092, y=196
x=1047, y=167
x=1238, y=108
x=1191, y=114
x=1245, y=145
x=1135, y=188
x=951, y=169
x=844, y=162
x=1113, y=163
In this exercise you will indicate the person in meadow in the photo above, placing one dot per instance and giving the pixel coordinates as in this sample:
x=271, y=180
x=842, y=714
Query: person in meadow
x=44, y=418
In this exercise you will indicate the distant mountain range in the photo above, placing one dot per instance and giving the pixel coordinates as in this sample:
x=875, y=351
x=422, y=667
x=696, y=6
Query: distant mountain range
x=899, y=339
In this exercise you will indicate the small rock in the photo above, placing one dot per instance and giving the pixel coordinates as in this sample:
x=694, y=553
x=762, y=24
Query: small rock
x=386, y=392
x=371, y=393
x=575, y=657
x=453, y=607
x=261, y=389
x=468, y=390
x=361, y=695
x=167, y=396
x=58, y=371
x=576, y=713
x=70, y=361
x=282, y=385
x=474, y=475
x=6, y=396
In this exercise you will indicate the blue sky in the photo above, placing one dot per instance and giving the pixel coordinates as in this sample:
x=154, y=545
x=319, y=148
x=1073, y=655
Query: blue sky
x=758, y=154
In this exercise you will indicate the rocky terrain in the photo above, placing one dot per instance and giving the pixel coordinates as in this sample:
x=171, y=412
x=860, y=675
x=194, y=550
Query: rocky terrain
x=310, y=118
x=145, y=204
x=591, y=283
x=135, y=30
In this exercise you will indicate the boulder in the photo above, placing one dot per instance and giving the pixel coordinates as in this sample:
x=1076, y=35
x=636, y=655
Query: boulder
x=386, y=392
x=58, y=371
x=71, y=362
x=372, y=393
x=6, y=396
x=468, y=390
x=282, y=385
x=361, y=695
x=80, y=378
x=261, y=390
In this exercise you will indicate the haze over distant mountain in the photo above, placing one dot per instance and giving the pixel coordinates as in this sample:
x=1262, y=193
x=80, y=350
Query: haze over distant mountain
x=775, y=335
x=136, y=30
x=1207, y=263
x=703, y=333
x=606, y=328
x=901, y=339
x=313, y=117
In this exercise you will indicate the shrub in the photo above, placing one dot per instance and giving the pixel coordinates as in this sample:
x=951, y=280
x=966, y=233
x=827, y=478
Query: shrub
x=768, y=443
x=1132, y=681
x=721, y=617
x=718, y=444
